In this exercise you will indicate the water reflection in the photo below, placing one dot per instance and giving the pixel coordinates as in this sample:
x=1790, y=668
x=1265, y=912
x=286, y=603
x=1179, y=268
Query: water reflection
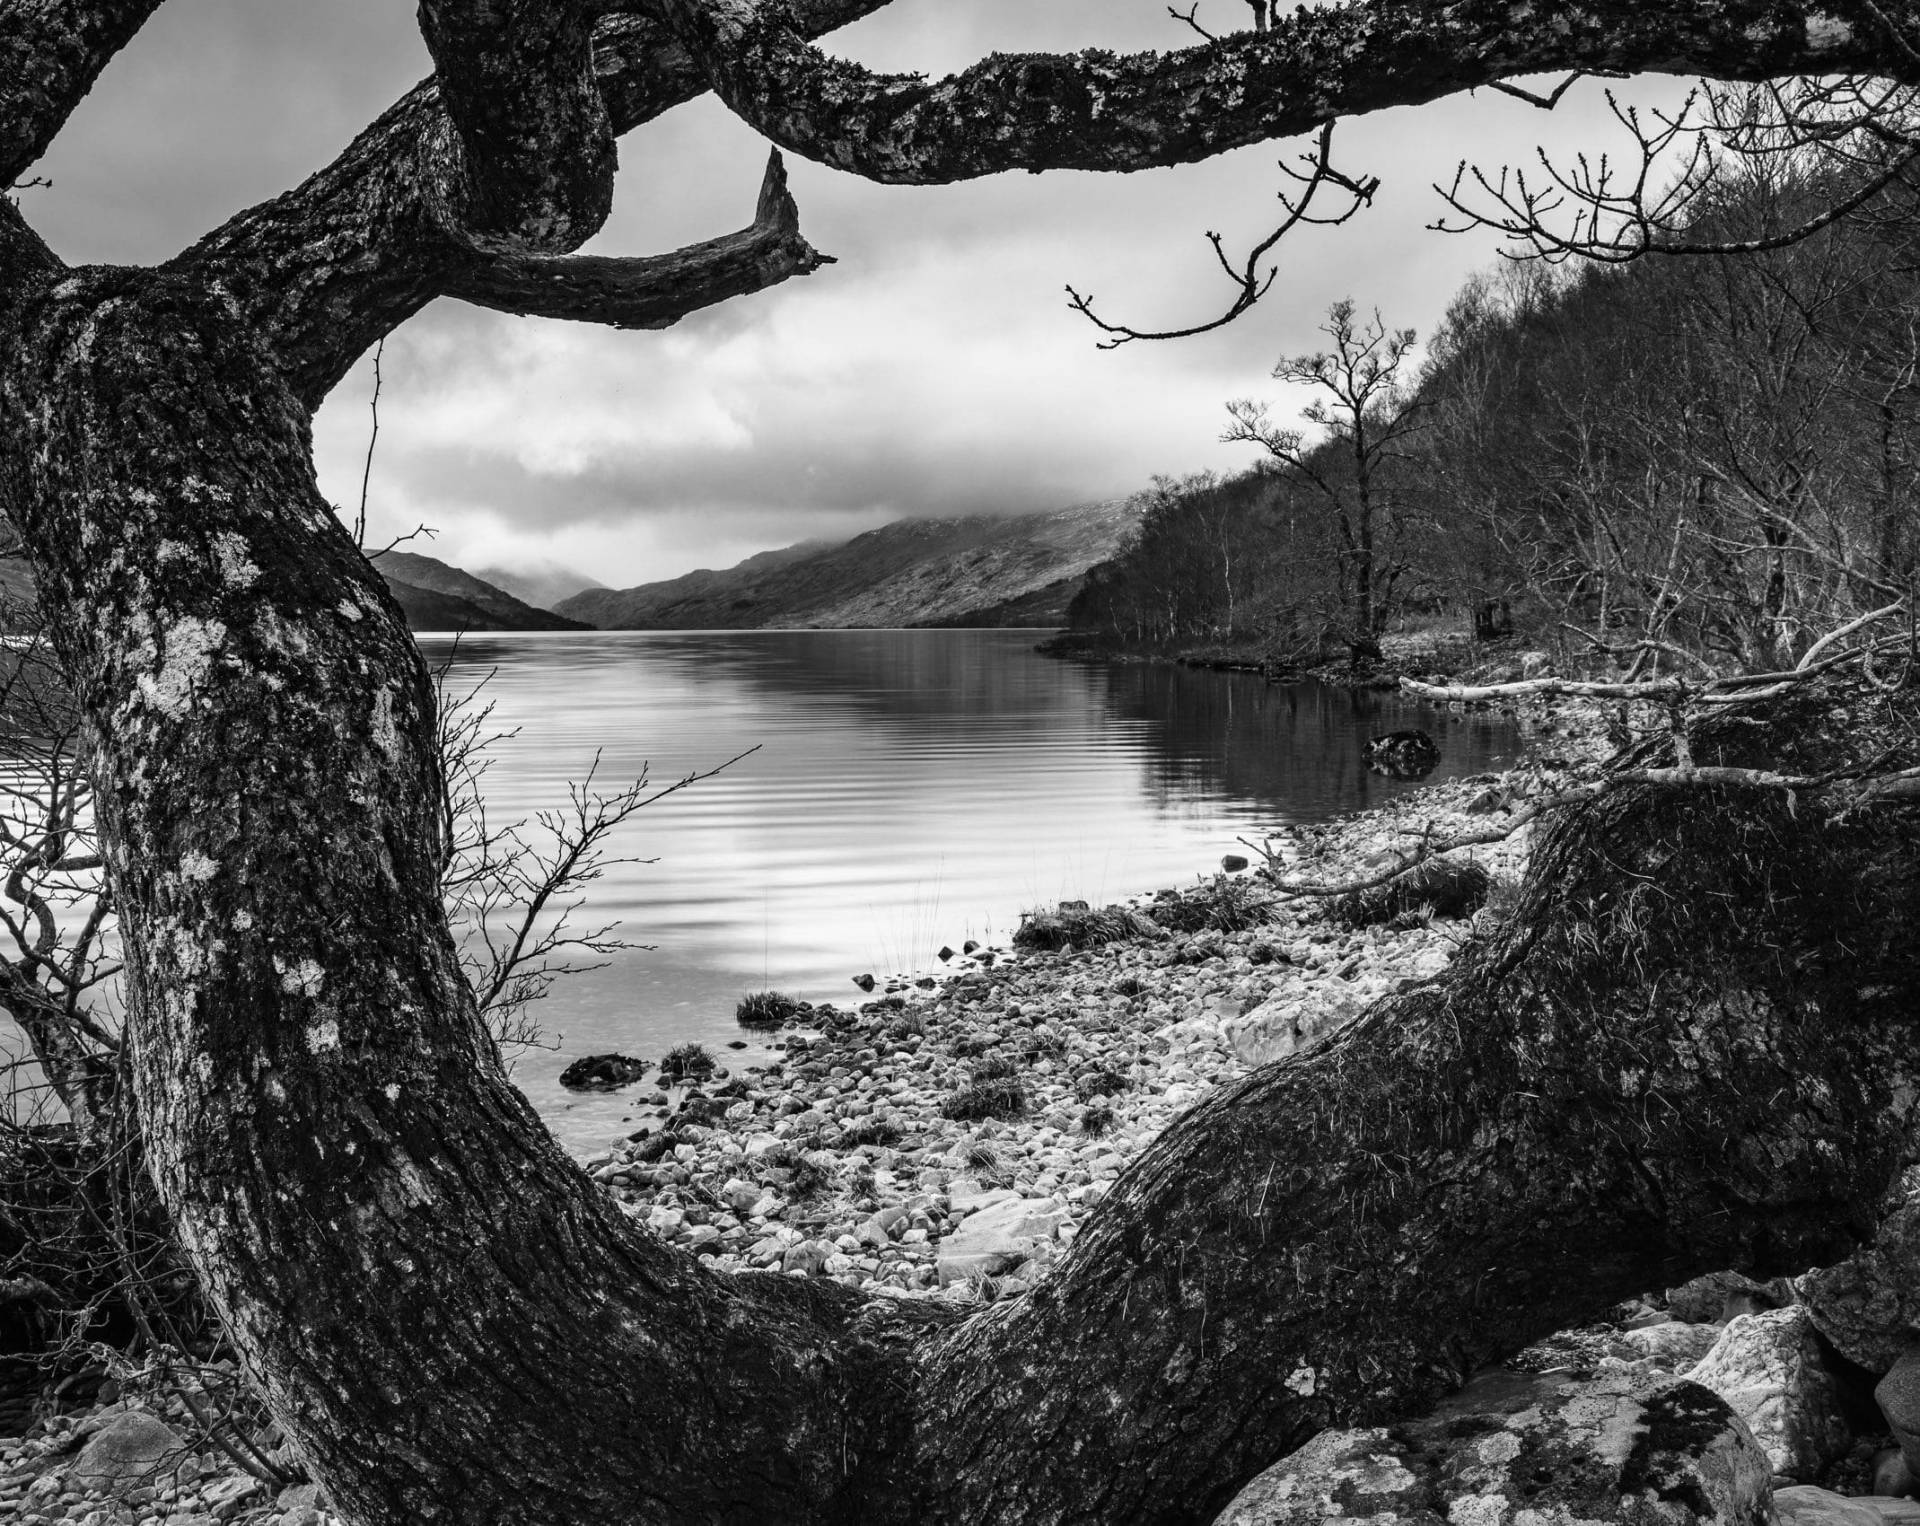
x=910, y=788
x=1295, y=747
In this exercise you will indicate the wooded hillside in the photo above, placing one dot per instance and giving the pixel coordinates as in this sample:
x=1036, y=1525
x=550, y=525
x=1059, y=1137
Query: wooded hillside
x=1712, y=454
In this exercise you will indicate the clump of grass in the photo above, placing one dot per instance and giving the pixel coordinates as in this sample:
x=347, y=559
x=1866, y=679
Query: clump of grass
x=987, y=1161
x=806, y=1178
x=872, y=1131
x=700, y=1110
x=765, y=1009
x=1503, y=898
x=997, y=1068
x=1043, y=1046
x=1439, y=887
x=910, y=1024
x=1077, y=926
x=689, y=1062
x=999, y=1098
x=1099, y=1083
x=1097, y=1120
x=1219, y=904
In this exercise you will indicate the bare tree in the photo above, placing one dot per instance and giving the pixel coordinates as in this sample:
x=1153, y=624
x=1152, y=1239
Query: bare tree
x=1366, y=419
x=61, y=945
x=446, y=1317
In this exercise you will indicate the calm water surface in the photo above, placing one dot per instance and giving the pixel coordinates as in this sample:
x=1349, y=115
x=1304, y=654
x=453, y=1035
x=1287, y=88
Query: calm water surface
x=911, y=788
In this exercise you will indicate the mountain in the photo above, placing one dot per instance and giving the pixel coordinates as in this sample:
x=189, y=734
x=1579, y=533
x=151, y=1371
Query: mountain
x=978, y=570
x=437, y=597
x=543, y=584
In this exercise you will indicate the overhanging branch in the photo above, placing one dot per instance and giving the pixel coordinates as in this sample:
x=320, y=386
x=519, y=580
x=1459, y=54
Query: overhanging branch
x=51, y=52
x=657, y=291
x=1101, y=111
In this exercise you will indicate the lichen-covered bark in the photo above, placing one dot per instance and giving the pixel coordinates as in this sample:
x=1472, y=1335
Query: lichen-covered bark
x=51, y=52
x=1101, y=111
x=535, y=143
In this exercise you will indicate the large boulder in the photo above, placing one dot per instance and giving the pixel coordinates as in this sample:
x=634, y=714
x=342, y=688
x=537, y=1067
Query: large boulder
x=1869, y=1305
x=602, y=1072
x=132, y=1448
x=1720, y=1296
x=1804, y=1505
x=1512, y=1449
x=1768, y=1367
x=999, y=1237
x=1672, y=1345
x=1898, y=1395
x=1282, y=1025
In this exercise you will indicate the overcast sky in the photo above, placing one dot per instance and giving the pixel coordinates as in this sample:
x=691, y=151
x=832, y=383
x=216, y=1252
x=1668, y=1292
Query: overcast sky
x=936, y=369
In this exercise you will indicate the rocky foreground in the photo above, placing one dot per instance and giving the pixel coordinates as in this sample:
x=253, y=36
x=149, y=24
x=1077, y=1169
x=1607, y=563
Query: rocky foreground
x=947, y=1139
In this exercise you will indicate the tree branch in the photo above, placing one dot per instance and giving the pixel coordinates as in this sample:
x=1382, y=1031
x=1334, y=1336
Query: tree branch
x=324, y=271
x=1251, y=283
x=535, y=156
x=654, y=292
x=1099, y=111
x=51, y=52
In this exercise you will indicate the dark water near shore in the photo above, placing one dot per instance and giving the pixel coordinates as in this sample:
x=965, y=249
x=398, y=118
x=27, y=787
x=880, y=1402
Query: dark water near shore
x=911, y=788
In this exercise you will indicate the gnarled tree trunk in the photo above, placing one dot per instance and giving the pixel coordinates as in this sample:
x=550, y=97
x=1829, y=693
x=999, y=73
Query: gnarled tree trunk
x=1692, y=1049
x=453, y=1323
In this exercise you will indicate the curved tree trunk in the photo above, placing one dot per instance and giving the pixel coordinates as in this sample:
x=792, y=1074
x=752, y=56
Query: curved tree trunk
x=1692, y=1049
x=453, y=1324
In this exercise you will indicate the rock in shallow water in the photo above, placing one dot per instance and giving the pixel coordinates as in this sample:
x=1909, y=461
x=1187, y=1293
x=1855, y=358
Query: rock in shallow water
x=1402, y=754
x=600, y=1072
x=1529, y=1450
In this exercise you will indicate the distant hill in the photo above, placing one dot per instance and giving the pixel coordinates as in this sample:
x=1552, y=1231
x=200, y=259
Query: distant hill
x=437, y=597
x=542, y=586
x=979, y=570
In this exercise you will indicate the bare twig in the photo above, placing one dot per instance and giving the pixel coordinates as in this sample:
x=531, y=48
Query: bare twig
x=373, y=439
x=1189, y=17
x=1250, y=283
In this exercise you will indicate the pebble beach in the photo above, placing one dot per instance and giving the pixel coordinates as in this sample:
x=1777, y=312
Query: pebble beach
x=851, y=1153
